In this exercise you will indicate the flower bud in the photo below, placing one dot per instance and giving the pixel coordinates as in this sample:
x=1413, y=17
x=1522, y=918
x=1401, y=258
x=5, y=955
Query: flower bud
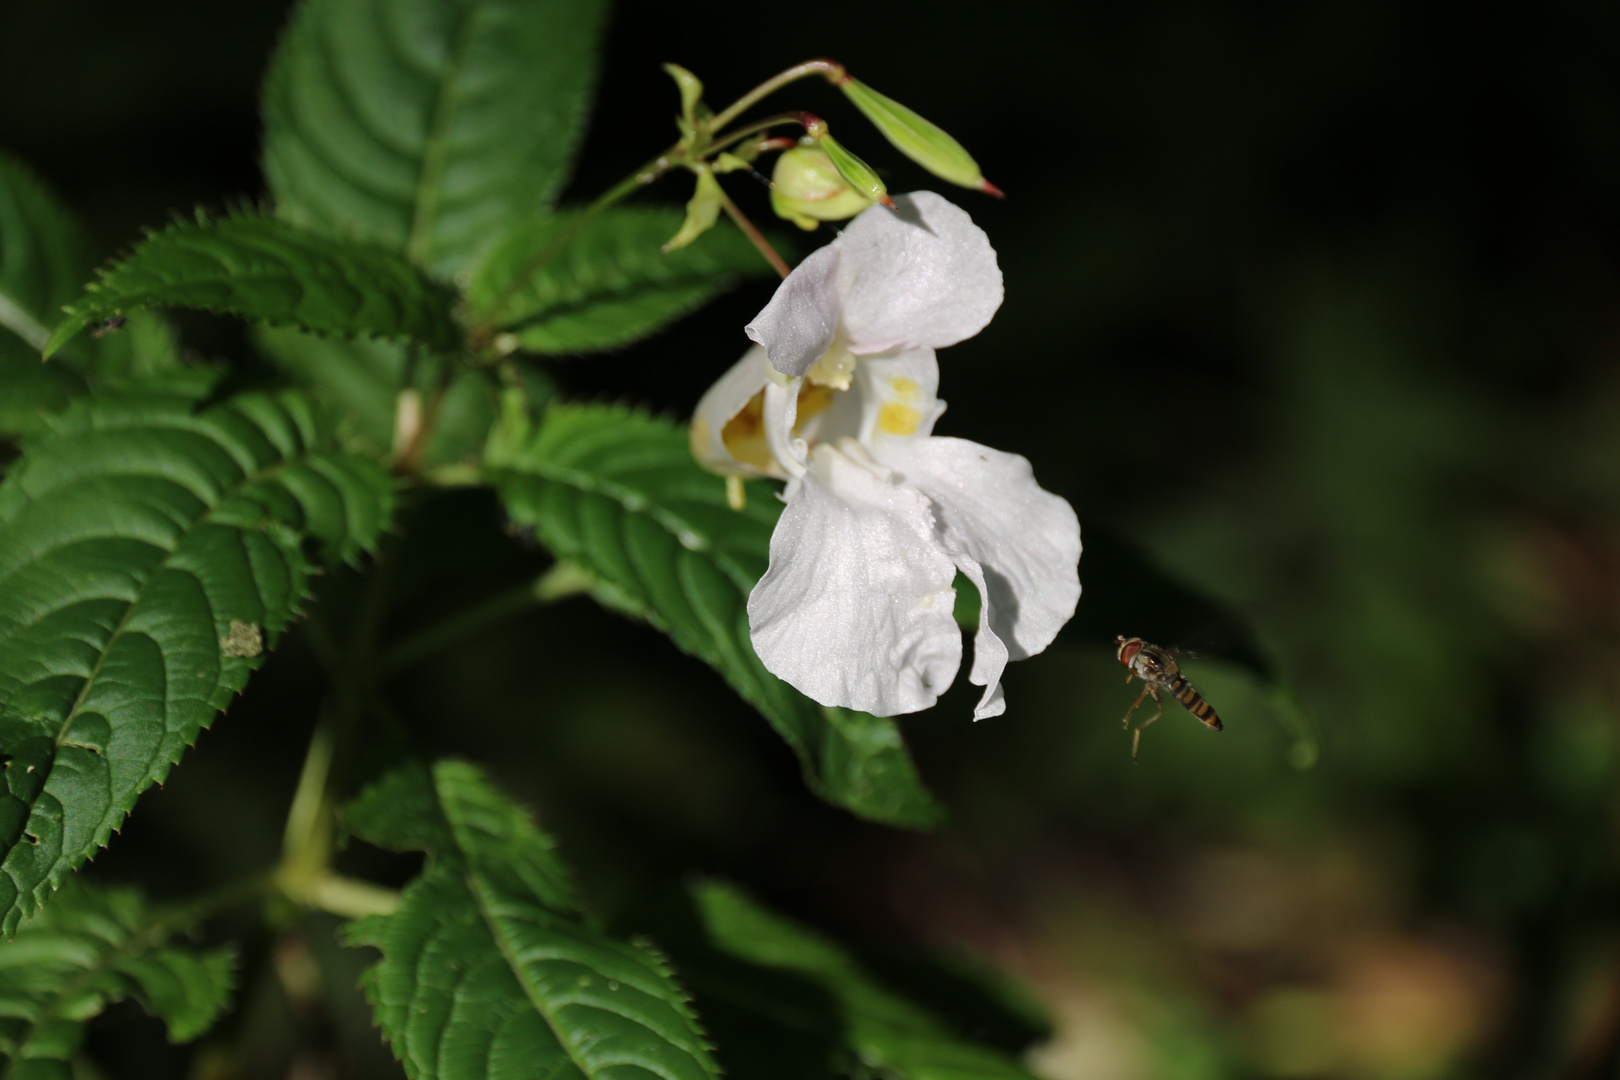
x=701, y=212
x=918, y=139
x=806, y=189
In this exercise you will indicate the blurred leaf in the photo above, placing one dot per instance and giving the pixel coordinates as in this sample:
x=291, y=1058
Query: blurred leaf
x=43, y=261
x=489, y=969
x=269, y=271
x=88, y=949
x=618, y=492
x=359, y=380
x=609, y=283
x=147, y=345
x=777, y=974
x=426, y=126
x=43, y=255
x=29, y=390
x=154, y=548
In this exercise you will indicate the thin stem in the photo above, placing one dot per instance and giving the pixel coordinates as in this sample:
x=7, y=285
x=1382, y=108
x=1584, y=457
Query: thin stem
x=24, y=325
x=485, y=328
x=720, y=142
x=833, y=70
x=307, y=839
x=754, y=235
x=562, y=580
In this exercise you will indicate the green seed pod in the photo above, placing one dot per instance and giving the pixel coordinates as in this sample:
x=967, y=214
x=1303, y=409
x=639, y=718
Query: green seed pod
x=856, y=173
x=920, y=140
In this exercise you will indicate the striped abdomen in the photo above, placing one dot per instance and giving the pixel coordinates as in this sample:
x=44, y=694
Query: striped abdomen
x=1193, y=700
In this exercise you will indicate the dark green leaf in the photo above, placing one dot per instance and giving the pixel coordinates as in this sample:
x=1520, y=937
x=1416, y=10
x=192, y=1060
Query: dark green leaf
x=270, y=271
x=618, y=492
x=43, y=262
x=426, y=126
x=152, y=549
x=770, y=973
x=43, y=255
x=360, y=380
x=30, y=390
x=556, y=290
x=93, y=947
x=488, y=968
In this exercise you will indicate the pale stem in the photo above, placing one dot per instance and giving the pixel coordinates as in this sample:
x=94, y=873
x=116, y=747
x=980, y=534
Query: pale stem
x=13, y=317
x=755, y=236
x=833, y=71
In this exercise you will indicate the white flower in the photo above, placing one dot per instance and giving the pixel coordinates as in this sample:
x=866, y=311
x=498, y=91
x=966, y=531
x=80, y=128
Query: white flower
x=840, y=399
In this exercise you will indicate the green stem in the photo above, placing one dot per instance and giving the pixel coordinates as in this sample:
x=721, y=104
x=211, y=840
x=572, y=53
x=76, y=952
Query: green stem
x=24, y=325
x=720, y=142
x=485, y=328
x=758, y=238
x=562, y=580
x=833, y=70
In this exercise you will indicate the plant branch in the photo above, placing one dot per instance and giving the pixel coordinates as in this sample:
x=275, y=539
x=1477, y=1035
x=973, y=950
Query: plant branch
x=562, y=580
x=755, y=236
x=833, y=70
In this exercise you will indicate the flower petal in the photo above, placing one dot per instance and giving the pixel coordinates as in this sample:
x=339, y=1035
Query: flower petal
x=920, y=275
x=991, y=512
x=855, y=609
x=898, y=396
x=800, y=322
x=728, y=430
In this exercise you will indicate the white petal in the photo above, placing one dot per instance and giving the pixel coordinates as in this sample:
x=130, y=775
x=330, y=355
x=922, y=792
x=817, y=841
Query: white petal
x=856, y=608
x=924, y=275
x=1027, y=541
x=898, y=396
x=800, y=322
x=747, y=453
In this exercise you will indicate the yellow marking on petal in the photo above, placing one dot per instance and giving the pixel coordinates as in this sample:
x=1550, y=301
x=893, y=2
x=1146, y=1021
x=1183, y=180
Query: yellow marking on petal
x=904, y=387
x=897, y=419
x=813, y=399
x=744, y=434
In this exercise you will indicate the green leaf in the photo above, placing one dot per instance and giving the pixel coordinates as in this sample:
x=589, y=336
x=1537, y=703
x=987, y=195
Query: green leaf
x=554, y=290
x=773, y=978
x=489, y=969
x=618, y=492
x=270, y=271
x=153, y=547
x=43, y=255
x=93, y=947
x=43, y=261
x=360, y=379
x=426, y=126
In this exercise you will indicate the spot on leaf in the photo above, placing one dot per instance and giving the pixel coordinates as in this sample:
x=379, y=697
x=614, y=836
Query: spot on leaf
x=243, y=639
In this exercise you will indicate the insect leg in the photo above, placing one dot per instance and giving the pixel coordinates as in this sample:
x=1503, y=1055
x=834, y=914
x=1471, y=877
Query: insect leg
x=1136, y=738
x=1147, y=688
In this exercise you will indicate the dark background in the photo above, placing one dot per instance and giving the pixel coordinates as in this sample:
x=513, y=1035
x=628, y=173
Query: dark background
x=1311, y=311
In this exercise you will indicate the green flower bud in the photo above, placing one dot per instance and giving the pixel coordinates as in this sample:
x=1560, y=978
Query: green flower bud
x=857, y=173
x=806, y=189
x=701, y=212
x=918, y=139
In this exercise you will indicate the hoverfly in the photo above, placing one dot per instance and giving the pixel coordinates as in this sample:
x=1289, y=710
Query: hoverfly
x=1158, y=670
x=107, y=326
